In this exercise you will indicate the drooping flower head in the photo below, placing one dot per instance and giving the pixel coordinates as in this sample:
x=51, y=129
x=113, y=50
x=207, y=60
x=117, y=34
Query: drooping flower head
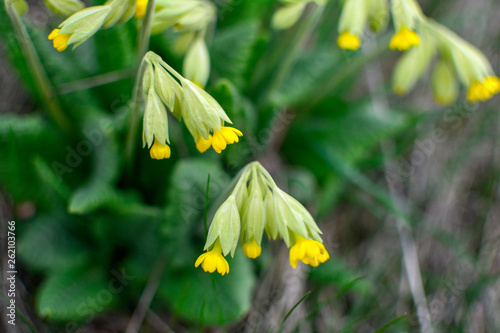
x=458, y=59
x=256, y=205
x=165, y=89
x=406, y=15
x=355, y=16
x=83, y=24
x=190, y=20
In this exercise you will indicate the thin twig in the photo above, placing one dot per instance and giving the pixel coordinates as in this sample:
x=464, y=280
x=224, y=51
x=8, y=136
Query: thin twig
x=304, y=31
x=410, y=257
x=147, y=295
x=39, y=75
x=94, y=81
x=145, y=32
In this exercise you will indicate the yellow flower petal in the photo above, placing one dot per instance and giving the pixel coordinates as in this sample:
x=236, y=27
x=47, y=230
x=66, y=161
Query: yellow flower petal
x=140, y=9
x=226, y=135
x=60, y=41
x=308, y=251
x=404, y=39
x=252, y=250
x=213, y=260
x=481, y=91
x=159, y=151
x=218, y=142
x=348, y=41
x=202, y=145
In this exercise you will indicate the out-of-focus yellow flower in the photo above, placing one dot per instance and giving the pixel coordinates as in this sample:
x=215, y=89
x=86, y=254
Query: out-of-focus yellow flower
x=348, y=41
x=482, y=91
x=404, y=39
x=310, y=252
x=140, y=9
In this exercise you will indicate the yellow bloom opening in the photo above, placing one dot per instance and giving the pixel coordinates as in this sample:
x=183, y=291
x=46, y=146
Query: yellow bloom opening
x=140, y=9
x=308, y=251
x=252, y=250
x=348, y=41
x=219, y=140
x=202, y=145
x=404, y=39
x=159, y=151
x=60, y=40
x=213, y=260
x=481, y=91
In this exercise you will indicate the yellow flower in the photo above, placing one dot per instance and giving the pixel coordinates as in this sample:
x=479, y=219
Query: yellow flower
x=348, y=41
x=252, y=250
x=140, y=9
x=481, y=91
x=202, y=145
x=159, y=151
x=309, y=251
x=404, y=39
x=60, y=40
x=219, y=140
x=213, y=260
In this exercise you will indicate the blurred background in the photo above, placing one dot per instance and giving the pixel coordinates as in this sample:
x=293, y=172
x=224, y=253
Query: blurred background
x=405, y=191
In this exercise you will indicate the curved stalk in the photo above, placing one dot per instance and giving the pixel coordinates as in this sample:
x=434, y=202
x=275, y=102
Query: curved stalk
x=39, y=75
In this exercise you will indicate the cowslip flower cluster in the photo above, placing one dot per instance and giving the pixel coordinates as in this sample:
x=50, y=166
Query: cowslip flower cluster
x=456, y=58
x=165, y=88
x=288, y=14
x=190, y=20
x=406, y=15
x=422, y=39
x=83, y=24
x=355, y=15
x=256, y=205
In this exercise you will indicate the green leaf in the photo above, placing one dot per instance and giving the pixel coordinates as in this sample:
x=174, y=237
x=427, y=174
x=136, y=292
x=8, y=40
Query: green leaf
x=50, y=242
x=21, y=139
x=232, y=63
x=91, y=197
x=75, y=294
x=207, y=298
x=308, y=75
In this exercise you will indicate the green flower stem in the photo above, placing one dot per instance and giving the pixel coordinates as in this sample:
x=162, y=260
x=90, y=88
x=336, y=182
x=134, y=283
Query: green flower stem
x=142, y=49
x=135, y=114
x=145, y=32
x=290, y=56
x=39, y=75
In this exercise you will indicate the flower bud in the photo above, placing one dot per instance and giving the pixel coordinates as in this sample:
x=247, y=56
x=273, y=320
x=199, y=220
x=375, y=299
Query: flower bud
x=64, y=8
x=288, y=15
x=155, y=123
x=412, y=65
x=197, y=62
x=378, y=17
x=20, y=6
x=444, y=84
x=225, y=227
x=253, y=218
